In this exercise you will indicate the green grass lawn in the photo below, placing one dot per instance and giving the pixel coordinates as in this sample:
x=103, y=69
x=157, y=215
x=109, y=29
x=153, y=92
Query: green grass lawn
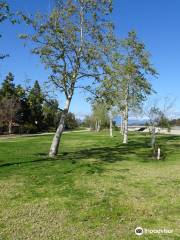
x=97, y=188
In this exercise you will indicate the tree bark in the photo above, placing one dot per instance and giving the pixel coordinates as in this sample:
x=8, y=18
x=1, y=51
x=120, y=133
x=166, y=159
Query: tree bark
x=125, y=115
x=10, y=127
x=153, y=140
x=125, y=127
x=158, y=154
x=110, y=127
x=98, y=126
x=57, y=137
x=122, y=124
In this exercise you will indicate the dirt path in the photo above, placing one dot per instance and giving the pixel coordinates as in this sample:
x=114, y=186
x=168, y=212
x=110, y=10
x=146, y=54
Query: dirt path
x=38, y=134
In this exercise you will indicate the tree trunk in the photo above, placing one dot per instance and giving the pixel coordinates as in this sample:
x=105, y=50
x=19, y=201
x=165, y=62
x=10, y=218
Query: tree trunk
x=125, y=116
x=10, y=127
x=125, y=127
x=110, y=127
x=98, y=125
x=57, y=137
x=158, y=154
x=122, y=125
x=153, y=140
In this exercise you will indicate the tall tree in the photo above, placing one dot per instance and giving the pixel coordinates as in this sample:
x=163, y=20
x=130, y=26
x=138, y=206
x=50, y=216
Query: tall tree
x=35, y=100
x=10, y=93
x=8, y=88
x=136, y=69
x=127, y=83
x=89, y=122
x=51, y=113
x=73, y=43
x=100, y=115
x=24, y=113
x=71, y=121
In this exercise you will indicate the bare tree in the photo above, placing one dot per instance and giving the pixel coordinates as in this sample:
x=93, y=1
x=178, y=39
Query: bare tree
x=158, y=117
x=8, y=111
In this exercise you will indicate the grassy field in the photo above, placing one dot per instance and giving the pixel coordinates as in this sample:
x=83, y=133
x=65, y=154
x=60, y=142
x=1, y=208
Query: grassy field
x=97, y=188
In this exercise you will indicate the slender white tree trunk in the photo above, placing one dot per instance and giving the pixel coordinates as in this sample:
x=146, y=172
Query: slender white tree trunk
x=98, y=125
x=158, y=154
x=125, y=127
x=153, y=140
x=10, y=127
x=125, y=116
x=57, y=137
x=110, y=126
x=122, y=124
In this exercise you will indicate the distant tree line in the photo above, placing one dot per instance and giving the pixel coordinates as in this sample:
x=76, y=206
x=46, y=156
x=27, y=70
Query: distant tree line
x=28, y=111
x=175, y=122
x=99, y=119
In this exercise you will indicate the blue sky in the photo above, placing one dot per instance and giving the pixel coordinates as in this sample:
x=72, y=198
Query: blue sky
x=156, y=22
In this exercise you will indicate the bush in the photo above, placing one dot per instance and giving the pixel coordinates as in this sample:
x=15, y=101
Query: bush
x=29, y=128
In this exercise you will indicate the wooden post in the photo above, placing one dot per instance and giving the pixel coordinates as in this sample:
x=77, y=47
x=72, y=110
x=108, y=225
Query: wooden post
x=158, y=153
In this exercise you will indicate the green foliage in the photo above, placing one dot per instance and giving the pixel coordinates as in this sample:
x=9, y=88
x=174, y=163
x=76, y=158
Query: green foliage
x=24, y=113
x=157, y=118
x=35, y=101
x=9, y=102
x=100, y=112
x=5, y=14
x=136, y=68
x=99, y=119
x=164, y=122
x=4, y=10
x=28, y=128
x=175, y=122
x=8, y=87
x=51, y=113
x=71, y=121
x=32, y=111
x=88, y=121
x=155, y=115
x=73, y=42
x=127, y=77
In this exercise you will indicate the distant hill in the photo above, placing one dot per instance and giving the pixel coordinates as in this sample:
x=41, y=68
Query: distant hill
x=131, y=121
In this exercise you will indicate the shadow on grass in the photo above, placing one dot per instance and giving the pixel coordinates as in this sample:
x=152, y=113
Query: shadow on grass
x=137, y=149
x=101, y=154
